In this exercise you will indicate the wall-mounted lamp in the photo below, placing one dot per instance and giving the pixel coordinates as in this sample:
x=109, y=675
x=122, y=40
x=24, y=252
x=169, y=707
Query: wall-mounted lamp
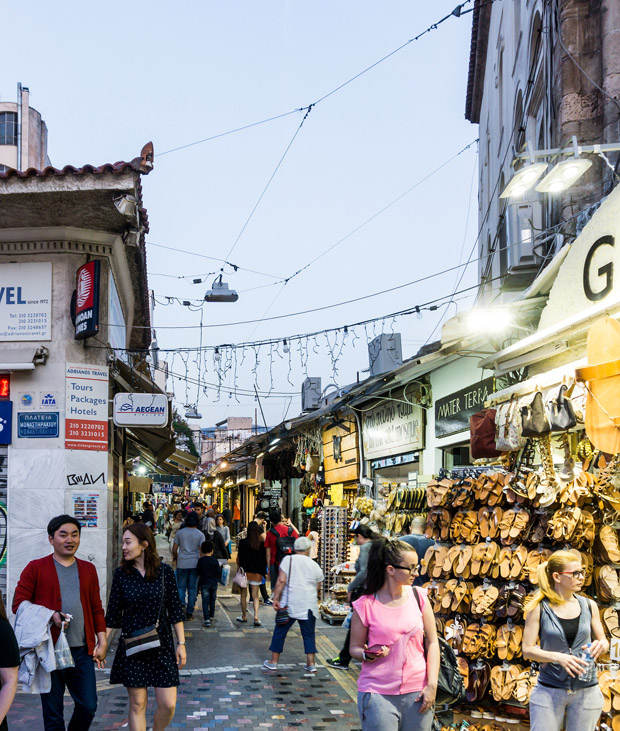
x=563, y=175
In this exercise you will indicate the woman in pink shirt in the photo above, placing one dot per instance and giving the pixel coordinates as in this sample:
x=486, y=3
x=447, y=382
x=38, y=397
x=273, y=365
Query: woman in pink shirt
x=389, y=633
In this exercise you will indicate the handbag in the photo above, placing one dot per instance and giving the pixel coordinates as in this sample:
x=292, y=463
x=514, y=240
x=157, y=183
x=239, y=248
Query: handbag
x=508, y=436
x=146, y=639
x=534, y=421
x=482, y=430
x=560, y=410
x=282, y=615
x=240, y=578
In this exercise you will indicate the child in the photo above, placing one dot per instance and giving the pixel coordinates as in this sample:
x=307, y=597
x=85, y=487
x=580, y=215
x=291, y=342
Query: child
x=209, y=572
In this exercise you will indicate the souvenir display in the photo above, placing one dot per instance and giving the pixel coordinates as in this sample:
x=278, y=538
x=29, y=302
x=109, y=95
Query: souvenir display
x=335, y=609
x=334, y=545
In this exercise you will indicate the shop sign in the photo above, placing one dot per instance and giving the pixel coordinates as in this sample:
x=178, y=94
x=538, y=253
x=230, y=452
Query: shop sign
x=117, y=328
x=379, y=464
x=452, y=412
x=6, y=421
x=140, y=409
x=392, y=428
x=87, y=300
x=38, y=425
x=164, y=487
x=26, y=301
x=86, y=407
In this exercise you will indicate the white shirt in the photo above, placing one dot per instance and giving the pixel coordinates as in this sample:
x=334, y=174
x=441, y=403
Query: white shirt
x=299, y=594
x=314, y=548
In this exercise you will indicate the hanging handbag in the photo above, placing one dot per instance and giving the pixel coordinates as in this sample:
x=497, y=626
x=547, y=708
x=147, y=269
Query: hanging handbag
x=282, y=615
x=240, y=578
x=508, y=436
x=560, y=409
x=482, y=430
x=146, y=639
x=534, y=419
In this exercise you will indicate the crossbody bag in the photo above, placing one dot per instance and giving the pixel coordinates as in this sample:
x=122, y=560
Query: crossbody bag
x=146, y=639
x=282, y=615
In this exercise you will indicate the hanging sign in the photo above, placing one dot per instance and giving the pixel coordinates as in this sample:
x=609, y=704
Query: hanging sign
x=392, y=427
x=140, y=409
x=452, y=412
x=86, y=407
x=87, y=300
x=26, y=301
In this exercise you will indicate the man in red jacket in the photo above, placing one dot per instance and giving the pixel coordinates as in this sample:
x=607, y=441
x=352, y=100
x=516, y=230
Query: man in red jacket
x=70, y=586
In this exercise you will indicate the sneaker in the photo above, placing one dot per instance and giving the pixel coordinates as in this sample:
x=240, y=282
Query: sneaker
x=270, y=665
x=310, y=668
x=206, y=623
x=268, y=602
x=336, y=663
x=243, y=621
x=257, y=623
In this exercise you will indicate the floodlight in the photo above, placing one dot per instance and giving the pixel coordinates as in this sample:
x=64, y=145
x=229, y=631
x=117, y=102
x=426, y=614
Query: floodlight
x=524, y=179
x=220, y=292
x=563, y=175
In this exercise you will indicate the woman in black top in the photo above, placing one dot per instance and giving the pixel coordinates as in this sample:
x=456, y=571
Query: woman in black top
x=252, y=558
x=9, y=663
x=144, y=593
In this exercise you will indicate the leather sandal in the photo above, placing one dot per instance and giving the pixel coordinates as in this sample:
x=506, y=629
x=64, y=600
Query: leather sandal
x=483, y=600
x=607, y=544
x=611, y=622
x=524, y=684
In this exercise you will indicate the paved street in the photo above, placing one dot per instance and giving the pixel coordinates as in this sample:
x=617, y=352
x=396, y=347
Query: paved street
x=226, y=687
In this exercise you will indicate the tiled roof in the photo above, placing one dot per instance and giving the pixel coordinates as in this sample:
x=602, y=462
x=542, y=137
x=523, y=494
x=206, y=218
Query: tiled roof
x=142, y=164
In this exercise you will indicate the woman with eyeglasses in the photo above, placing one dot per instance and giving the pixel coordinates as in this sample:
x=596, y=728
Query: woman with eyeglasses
x=559, y=625
x=393, y=634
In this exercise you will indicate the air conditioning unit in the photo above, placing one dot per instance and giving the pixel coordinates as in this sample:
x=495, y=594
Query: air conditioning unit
x=385, y=353
x=523, y=220
x=311, y=394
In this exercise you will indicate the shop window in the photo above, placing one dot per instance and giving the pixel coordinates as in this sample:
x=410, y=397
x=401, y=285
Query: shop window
x=457, y=456
x=8, y=128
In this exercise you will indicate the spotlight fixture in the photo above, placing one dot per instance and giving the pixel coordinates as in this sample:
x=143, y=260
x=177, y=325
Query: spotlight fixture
x=193, y=413
x=524, y=179
x=220, y=292
x=563, y=175
x=223, y=464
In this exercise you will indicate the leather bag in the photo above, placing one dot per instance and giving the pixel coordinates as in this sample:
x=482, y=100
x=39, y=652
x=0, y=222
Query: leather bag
x=482, y=431
x=508, y=427
x=560, y=410
x=534, y=421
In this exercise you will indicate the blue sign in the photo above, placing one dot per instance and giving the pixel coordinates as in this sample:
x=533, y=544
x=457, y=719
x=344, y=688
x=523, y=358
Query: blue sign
x=38, y=425
x=6, y=421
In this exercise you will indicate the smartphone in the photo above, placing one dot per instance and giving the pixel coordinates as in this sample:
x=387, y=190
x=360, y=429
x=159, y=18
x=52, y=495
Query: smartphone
x=374, y=650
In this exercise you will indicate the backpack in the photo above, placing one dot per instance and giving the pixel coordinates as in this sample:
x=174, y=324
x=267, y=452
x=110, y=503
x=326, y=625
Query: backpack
x=450, y=685
x=284, y=544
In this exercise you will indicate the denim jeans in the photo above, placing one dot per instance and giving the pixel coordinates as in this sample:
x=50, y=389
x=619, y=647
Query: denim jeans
x=187, y=580
x=81, y=684
x=548, y=706
x=307, y=632
x=236, y=527
x=209, y=595
x=393, y=712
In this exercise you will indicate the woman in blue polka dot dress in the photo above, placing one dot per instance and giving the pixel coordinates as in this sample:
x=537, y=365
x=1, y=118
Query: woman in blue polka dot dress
x=144, y=593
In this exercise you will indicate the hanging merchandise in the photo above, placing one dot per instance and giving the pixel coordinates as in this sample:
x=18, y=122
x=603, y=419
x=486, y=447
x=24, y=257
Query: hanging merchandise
x=482, y=430
x=534, y=420
x=560, y=409
x=508, y=428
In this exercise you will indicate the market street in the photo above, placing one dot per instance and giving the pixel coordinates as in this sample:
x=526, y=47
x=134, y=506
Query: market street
x=225, y=686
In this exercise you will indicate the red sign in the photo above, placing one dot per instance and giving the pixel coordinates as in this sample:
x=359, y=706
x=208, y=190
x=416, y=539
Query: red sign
x=86, y=434
x=87, y=300
x=5, y=387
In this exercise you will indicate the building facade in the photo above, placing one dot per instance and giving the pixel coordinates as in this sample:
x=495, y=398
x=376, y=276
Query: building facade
x=23, y=135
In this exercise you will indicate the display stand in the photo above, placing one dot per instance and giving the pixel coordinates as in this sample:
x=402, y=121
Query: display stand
x=334, y=542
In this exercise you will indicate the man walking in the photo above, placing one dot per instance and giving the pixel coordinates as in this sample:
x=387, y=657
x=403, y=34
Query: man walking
x=186, y=552
x=279, y=542
x=68, y=585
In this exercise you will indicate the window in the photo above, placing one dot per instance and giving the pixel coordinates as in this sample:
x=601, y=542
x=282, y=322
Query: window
x=8, y=128
x=4, y=169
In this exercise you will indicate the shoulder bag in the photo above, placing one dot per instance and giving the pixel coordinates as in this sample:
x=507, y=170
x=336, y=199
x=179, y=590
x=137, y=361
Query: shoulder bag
x=282, y=616
x=240, y=578
x=534, y=419
x=144, y=640
x=508, y=437
x=560, y=409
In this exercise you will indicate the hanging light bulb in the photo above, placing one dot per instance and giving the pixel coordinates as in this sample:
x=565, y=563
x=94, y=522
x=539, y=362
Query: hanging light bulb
x=217, y=356
x=285, y=346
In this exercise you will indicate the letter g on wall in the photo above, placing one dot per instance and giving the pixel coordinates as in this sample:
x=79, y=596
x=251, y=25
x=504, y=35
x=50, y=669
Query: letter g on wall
x=607, y=271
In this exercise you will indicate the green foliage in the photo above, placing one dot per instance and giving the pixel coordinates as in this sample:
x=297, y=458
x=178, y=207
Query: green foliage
x=182, y=428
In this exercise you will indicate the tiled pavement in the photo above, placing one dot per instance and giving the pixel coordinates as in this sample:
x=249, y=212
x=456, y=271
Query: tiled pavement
x=225, y=686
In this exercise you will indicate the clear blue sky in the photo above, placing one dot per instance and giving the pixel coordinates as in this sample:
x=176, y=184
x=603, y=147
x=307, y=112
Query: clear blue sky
x=109, y=77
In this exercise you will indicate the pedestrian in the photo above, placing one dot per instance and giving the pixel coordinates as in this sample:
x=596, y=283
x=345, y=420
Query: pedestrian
x=161, y=518
x=252, y=558
x=223, y=530
x=129, y=520
x=9, y=664
x=209, y=573
x=296, y=590
x=144, y=595
x=66, y=585
x=227, y=513
x=148, y=517
x=262, y=518
x=313, y=535
x=389, y=628
x=363, y=538
x=221, y=549
x=236, y=517
x=559, y=624
x=186, y=552
x=275, y=546
x=420, y=544
x=175, y=526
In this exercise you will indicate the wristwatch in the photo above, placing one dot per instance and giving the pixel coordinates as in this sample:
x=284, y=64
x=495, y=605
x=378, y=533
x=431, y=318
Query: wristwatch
x=180, y=643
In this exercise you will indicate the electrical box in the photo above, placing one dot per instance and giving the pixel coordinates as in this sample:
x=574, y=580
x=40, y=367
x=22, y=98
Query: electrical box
x=385, y=353
x=523, y=219
x=311, y=394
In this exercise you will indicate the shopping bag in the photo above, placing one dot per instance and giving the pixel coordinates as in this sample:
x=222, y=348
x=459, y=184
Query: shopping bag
x=225, y=575
x=62, y=652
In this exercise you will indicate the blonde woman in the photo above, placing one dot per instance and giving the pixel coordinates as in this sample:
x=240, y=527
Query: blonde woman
x=564, y=623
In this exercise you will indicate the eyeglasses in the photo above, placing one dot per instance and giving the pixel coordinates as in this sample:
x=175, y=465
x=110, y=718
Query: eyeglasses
x=410, y=569
x=575, y=574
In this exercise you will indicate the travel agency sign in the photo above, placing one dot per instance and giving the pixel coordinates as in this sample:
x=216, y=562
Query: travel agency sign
x=141, y=409
x=26, y=301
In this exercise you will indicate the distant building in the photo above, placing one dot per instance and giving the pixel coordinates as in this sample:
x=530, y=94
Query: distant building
x=539, y=72
x=225, y=436
x=23, y=135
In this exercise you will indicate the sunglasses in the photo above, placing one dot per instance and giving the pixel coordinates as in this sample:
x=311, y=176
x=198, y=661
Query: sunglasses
x=410, y=569
x=575, y=574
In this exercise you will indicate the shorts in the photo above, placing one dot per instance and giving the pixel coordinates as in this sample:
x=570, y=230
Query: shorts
x=254, y=579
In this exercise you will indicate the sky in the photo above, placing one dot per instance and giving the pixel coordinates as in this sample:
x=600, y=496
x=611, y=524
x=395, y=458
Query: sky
x=108, y=77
